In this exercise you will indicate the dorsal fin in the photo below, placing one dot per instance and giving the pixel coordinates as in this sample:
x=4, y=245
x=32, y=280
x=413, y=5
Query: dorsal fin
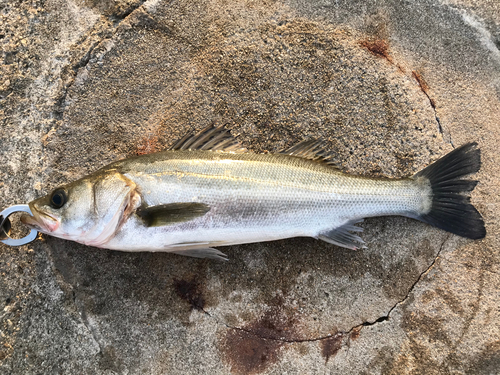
x=313, y=149
x=210, y=139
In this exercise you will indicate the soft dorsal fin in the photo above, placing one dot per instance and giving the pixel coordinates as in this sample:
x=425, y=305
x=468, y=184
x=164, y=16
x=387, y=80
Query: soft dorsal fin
x=313, y=149
x=210, y=139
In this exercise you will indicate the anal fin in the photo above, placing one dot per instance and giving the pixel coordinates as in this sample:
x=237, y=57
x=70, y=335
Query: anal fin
x=342, y=237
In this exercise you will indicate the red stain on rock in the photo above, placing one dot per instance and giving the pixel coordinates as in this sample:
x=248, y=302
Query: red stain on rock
x=378, y=47
x=148, y=145
x=355, y=333
x=248, y=353
x=420, y=80
x=423, y=86
x=252, y=348
x=331, y=346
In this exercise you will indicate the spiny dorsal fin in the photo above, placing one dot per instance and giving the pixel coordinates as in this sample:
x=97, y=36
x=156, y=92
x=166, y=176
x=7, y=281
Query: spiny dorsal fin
x=313, y=149
x=166, y=214
x=210, y=139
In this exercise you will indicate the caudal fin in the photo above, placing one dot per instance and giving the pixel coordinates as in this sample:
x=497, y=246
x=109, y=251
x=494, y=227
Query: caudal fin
x=451, y=209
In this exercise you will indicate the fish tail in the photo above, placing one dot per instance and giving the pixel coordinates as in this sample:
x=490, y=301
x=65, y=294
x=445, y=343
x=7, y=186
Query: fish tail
x=450, y=208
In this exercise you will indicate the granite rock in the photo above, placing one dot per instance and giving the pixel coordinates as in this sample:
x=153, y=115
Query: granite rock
x=389, y=86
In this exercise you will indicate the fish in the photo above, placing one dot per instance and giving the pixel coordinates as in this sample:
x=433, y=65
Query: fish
x=208, y=191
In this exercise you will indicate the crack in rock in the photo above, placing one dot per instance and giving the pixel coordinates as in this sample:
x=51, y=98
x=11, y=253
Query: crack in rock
x=85, y=59
x=265, y=337
x=81, y=63
x=423, y=274
x=440, y=127
x=340, y=334
x=424, y=87
x=69, y=289
x=91, y=327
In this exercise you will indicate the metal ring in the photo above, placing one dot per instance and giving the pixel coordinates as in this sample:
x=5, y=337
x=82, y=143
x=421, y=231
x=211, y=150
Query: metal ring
x=21, y=241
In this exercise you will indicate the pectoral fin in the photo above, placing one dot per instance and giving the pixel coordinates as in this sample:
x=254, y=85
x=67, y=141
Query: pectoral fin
x=341, y=236
x=166, y=214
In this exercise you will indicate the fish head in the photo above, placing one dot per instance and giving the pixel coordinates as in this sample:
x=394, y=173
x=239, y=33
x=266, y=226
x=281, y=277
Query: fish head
x=90, y=210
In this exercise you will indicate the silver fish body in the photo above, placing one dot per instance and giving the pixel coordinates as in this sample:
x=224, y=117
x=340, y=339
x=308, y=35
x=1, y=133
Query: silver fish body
x=255, y=198
x=217, y=197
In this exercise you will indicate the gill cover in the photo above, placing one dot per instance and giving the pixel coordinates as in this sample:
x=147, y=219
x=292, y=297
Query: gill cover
x=114, y=199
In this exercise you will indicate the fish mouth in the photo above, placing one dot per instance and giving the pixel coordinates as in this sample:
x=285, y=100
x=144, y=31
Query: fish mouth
x=40, y=221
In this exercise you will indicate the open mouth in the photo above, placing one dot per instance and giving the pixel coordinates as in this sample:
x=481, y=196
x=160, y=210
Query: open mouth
x=39, y=221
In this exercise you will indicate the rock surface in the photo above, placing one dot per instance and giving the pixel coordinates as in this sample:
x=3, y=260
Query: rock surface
x=390, y=86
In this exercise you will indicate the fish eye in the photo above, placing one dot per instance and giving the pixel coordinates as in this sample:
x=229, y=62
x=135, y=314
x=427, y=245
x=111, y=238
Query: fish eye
x=58, y=198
